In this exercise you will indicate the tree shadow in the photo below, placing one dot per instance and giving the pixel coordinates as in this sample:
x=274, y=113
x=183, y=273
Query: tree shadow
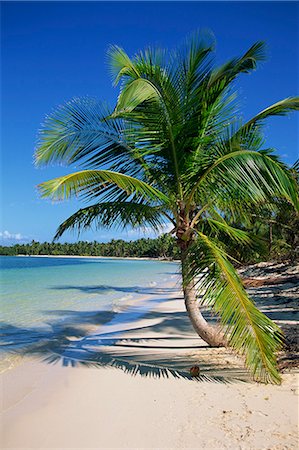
x=164, y=346
x=268, y=269
x=279, y=302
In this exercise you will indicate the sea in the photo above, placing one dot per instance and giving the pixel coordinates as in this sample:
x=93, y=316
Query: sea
x=38, y=293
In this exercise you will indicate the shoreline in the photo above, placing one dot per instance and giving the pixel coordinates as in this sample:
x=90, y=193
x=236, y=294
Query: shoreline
x=126, y=307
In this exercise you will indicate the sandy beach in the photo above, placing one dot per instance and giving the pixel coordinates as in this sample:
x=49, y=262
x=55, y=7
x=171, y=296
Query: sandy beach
x=126, y=384
x=132, y=258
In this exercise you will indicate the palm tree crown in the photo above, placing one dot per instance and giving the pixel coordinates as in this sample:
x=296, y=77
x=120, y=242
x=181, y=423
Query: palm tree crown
x=174, y=149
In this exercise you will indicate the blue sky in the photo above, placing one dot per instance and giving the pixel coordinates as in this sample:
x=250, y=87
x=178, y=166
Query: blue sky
x=53, y=51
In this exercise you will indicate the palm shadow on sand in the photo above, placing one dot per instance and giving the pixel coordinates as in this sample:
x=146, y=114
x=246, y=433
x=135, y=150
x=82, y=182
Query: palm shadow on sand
x=163, y=345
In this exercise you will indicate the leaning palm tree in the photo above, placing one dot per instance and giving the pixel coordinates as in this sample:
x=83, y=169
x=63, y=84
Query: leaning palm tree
x=174, y=150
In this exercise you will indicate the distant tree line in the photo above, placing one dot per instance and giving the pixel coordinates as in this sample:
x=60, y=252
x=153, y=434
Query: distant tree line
x=161, y=247
x=275, y=237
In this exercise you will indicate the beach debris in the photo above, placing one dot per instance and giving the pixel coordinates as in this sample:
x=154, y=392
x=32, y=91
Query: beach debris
x=194, y=371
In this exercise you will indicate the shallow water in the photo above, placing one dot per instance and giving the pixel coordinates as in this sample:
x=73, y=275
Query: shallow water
x=37, y=294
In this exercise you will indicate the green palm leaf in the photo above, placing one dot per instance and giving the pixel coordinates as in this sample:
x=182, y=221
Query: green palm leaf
x=257, y=176
x=117, y=214
x=91, y=183
x=135, y=93
x=280, y=108
x=221, y=226
x=220, y=79
x=81, y=132
x=120, y=64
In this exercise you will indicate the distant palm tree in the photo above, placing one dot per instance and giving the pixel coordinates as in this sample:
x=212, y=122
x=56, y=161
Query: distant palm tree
x=174, y=150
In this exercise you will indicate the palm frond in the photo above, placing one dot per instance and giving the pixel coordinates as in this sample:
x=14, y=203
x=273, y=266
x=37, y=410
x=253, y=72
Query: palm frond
x=190, y=65
x=248, y=330
x=237, y=235
x=135, y=93
x=91, y=184
x=116, y=214
x=82, y=131
x=146, y=101
x=257, y=176
x=219, y=80
x=244, y=64
x=295, y=166
x=120, y=64
x=281, y=108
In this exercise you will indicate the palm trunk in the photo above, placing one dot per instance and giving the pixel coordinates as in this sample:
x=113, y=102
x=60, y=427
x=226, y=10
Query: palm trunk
x=209, y=333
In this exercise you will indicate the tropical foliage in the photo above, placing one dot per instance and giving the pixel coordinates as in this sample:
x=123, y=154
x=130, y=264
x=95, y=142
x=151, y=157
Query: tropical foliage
x=161, y=247
x=276, y=224
x=174, y=149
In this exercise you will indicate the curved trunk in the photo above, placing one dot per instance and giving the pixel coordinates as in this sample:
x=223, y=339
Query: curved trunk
x=209, y=333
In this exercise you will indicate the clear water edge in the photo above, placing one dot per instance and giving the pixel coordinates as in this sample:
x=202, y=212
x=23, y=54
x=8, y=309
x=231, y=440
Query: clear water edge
x=39, y=292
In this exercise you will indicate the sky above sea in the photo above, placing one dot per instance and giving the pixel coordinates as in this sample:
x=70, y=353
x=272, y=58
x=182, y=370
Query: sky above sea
x=54, y=51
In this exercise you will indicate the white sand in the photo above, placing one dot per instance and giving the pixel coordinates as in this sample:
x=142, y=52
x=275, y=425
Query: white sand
x=55, y=407
x=134, y=258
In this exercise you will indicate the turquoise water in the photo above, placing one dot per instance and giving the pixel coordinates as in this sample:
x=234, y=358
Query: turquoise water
x=40, y=296
x=33, y=288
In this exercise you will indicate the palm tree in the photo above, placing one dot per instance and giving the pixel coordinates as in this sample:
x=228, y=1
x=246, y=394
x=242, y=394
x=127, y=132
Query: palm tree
x=174, y=150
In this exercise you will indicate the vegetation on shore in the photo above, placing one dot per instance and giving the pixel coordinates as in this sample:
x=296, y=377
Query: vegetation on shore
x=277, y=233
x=174, y=149
x=162, y=247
